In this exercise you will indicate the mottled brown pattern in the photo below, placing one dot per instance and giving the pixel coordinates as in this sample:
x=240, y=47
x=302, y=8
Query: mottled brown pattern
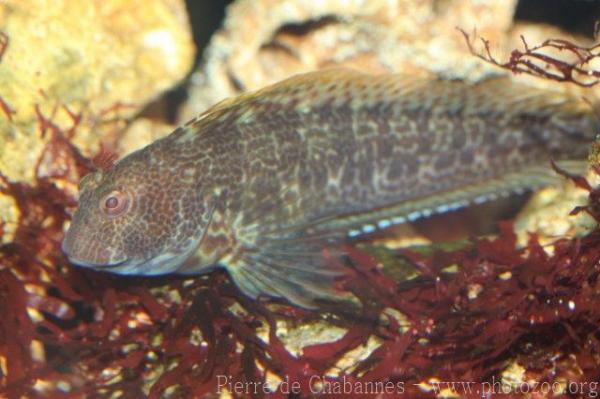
x=318, y=152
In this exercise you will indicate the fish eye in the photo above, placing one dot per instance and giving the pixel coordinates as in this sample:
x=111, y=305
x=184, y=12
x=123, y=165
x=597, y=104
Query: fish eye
x=115, y=203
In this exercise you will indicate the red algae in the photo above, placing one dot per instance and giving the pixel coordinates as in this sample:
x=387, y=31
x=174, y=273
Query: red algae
x=4, y=106
x=105, y=158
x=536, y=61
x=73, y=333
x=102, y=334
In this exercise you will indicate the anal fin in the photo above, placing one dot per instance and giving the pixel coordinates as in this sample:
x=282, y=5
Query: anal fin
x=528, y=179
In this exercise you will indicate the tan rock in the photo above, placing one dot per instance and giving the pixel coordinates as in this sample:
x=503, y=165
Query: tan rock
x=296, y=337
x=142, y=132
x=91, y=57
x=547, y=214
x=262, y=42
x=87, y=56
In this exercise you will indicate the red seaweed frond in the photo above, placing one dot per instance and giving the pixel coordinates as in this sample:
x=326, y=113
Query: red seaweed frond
x=466, y=325
x=105, y=158
x=60, y=147
x=535, y=60
x=113, y=113
x=76, y=118
x=4, y=105
x=578, y=180
x=101, y=334
x=592, y=208
x=4, y=41
x=7, y=109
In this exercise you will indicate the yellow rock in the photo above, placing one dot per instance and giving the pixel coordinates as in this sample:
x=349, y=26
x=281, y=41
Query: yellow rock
x=104, y=59
x=142, y=132
x=264, y=41
x=547, y=214
x=88, y=56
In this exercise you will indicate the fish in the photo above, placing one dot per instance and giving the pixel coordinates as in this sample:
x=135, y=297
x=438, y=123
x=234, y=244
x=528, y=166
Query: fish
x=260, y=184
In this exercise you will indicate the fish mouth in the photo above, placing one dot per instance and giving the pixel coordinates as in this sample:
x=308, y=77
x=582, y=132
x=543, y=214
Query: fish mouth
x=143, y=267
x=93, y=265
x=71, y=251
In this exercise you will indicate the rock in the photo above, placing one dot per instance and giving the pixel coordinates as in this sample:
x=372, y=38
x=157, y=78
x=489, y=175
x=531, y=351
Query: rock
x=548, y=212
x=142, y=132
x=547, y=215
x=102, y=59
x=88, y=57
x=262, y=42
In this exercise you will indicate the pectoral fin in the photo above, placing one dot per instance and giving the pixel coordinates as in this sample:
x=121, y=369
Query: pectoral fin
x=295, y=269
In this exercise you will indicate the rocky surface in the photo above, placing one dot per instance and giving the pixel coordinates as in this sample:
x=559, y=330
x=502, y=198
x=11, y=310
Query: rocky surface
x=265, y=41
x=547, y=214
x=96, y=62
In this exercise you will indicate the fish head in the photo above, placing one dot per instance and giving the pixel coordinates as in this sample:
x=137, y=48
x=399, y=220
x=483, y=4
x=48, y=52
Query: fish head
x=136, y=218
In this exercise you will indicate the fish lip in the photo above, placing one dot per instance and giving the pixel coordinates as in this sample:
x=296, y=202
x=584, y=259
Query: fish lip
x=66, y=249
x=99, y=266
